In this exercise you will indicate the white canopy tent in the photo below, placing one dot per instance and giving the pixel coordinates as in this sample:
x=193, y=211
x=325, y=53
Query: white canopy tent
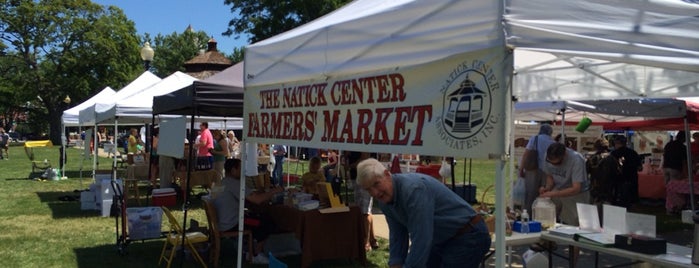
x=88, y=116
x=405, y=84
x=592, y=49
x=70, y=117
x=610, y=110
x=138, y=108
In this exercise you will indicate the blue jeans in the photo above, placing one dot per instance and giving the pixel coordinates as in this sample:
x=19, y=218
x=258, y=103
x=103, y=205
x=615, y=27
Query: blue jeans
x=278, y=171
x=465, y=250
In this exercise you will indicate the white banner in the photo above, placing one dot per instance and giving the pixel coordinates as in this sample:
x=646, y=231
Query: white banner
x=452, y=107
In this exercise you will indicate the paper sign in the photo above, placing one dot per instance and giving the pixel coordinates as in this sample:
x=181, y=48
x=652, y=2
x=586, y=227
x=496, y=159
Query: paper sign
x=614, y=220
x=588, y=217
x=640, y=224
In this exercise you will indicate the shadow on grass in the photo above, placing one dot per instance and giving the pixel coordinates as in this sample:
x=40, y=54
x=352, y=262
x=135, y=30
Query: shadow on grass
x=137, y=254
x=65, y=205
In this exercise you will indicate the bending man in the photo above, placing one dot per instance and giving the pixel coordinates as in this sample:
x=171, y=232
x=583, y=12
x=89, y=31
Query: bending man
x=441, y=229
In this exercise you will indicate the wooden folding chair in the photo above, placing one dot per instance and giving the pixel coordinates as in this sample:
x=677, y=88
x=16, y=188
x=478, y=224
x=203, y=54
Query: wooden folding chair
x=215, y=234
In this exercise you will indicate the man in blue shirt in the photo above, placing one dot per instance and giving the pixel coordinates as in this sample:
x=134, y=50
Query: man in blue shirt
x=441, y=229
x=279, y=152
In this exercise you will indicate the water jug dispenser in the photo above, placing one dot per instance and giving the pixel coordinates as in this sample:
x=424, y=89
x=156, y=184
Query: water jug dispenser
x=544, y=211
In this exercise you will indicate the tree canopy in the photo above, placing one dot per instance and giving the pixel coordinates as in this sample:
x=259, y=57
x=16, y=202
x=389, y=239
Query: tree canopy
x=51, y=49
x=262, y=19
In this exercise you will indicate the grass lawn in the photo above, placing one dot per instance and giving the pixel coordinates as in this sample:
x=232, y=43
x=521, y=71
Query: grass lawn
x=40, y=230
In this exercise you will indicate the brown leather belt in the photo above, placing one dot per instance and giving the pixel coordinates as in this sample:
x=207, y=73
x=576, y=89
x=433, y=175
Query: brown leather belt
x=470, y=226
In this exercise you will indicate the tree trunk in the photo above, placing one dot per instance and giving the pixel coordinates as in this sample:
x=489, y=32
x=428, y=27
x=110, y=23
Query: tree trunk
x=55, y=129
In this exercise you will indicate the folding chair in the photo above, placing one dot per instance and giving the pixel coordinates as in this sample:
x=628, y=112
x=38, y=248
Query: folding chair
x=174, y=238
x=215, y=234
x=29, y=150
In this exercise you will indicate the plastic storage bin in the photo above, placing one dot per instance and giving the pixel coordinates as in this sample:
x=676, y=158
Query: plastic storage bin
x=144, y=222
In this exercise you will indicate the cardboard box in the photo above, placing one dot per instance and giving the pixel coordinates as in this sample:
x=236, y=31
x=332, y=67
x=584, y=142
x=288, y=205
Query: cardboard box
x=166, y=197
x=144, y=222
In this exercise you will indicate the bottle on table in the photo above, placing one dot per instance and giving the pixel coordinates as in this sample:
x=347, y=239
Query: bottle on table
x=525, y=222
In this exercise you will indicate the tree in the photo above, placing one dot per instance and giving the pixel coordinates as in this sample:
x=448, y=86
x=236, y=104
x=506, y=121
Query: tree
x=171, y=51
x=59, y=48
x=262, y=19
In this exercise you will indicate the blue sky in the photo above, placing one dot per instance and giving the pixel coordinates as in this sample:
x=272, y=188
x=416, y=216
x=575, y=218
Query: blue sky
x=168, y=16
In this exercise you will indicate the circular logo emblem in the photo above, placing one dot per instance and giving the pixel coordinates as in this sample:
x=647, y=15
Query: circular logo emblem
x=467, y=104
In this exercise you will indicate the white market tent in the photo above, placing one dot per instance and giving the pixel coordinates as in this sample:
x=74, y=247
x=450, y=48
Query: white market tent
x=608, y=49
x=405, y=84
x=88, y=116
x=70, y=117
x=138, y=108
x=601, y=111
x=591, y=49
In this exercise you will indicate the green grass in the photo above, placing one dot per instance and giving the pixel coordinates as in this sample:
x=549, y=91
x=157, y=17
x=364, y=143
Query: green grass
x=39, y=230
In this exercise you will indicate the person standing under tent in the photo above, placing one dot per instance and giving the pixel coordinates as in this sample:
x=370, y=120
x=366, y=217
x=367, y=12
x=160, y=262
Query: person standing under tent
x=279, y=152
x=134, y=141
x=429, y=225
x=694, y=149
x=626, y=185
x=154, y=157
x=204, y=146
x=233, y=145
x=534, y=179
x=365, y=202
x=220, y=150
x=314, y=175
x=675, y=159
x=602, y=170
x=566, y=181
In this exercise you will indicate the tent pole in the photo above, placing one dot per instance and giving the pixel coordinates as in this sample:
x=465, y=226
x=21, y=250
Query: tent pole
x=190, y=163
x=150, y=151
x=64, y=141
x=241, y=204
x=690, y=168
x=563, y=127
x=95, y=147
x=114, y=157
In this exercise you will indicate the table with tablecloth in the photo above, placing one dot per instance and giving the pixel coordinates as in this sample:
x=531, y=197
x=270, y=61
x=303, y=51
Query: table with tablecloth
x=323, y=236
x=651, y=186
x=676, y=193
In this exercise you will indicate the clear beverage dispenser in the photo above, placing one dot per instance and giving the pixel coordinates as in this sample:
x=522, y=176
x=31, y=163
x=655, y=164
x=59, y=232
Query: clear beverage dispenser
x=544, y=211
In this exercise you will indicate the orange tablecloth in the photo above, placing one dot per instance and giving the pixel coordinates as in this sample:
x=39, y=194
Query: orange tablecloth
x=651, y=186
x=323, y=236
